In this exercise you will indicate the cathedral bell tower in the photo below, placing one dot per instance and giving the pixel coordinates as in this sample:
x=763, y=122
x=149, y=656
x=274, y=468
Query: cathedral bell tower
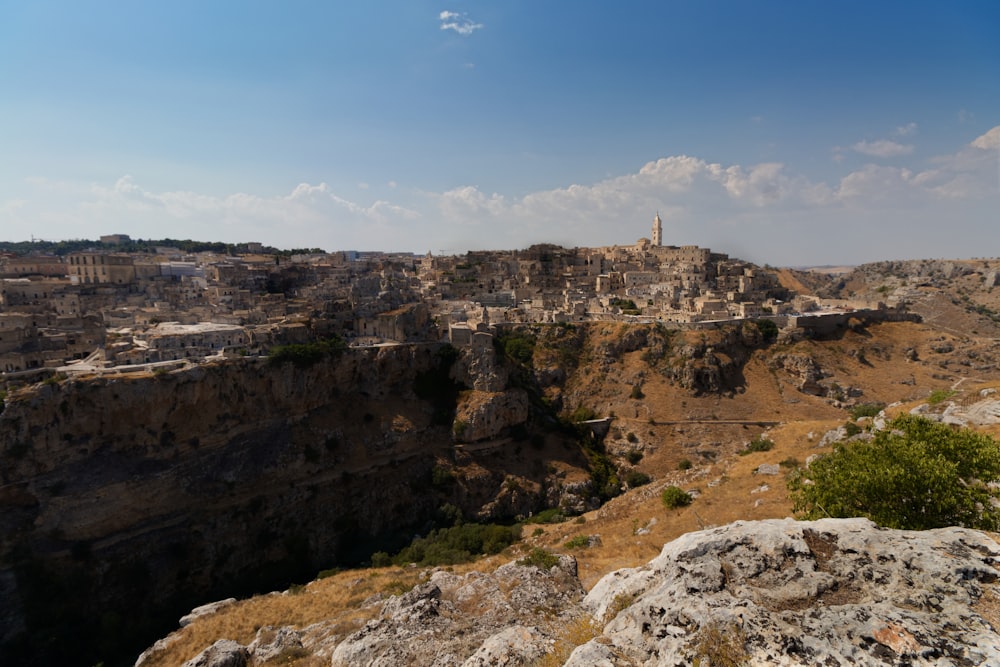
x=657, y=230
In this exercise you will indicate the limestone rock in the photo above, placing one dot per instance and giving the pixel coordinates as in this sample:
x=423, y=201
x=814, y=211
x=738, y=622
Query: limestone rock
x=805, y=368
x=781, y=592
x=223, y=653
x=205, y=610
x=272, y=643
x=475, y=619
x=516, y=645
x=483, y=415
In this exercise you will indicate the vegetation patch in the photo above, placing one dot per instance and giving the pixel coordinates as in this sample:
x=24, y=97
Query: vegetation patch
x=915, y=475
x=517, y=345
x=304, y=355
x=940, y=396
x=539, y=558
x=866, y=410
x=457, y=544
x=674, y=497
x=758, y=444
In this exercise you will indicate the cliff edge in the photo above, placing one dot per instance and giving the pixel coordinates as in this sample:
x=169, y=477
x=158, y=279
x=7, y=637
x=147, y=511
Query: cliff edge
x=774, y=592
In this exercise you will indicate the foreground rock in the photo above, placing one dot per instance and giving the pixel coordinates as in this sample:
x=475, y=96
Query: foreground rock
x=781, y=592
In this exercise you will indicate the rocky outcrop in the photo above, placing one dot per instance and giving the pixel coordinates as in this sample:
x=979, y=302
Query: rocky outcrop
x=806, y=371
x=835, y=592
x=461, y=620
x=781, y=592
x=127, y=499
x=484, y=415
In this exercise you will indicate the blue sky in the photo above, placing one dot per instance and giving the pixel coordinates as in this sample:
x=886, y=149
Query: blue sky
x=791, y=133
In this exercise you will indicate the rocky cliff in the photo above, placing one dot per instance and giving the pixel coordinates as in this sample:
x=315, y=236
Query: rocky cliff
x=125, y=499
x=777, y=592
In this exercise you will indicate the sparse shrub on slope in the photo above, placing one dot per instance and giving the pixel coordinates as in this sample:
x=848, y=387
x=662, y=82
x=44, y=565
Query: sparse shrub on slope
x=916, y=474
x=674, y=497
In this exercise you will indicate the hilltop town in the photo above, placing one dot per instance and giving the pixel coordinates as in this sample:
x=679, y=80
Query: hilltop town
x=103, y=307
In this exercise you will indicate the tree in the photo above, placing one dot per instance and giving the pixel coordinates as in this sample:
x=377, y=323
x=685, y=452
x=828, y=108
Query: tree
x=915, y=474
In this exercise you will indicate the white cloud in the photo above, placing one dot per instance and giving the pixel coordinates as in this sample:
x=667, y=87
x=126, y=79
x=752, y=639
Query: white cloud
x=882, y=148
x=763, y=212
x=988, y=141
x=906, y=130
x=459, y=22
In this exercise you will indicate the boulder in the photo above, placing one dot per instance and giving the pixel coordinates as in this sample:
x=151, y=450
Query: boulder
x=223, y=653
x=782, y=592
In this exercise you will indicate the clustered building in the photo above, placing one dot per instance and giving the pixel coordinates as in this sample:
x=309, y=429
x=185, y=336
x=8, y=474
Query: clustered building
x=104, y=308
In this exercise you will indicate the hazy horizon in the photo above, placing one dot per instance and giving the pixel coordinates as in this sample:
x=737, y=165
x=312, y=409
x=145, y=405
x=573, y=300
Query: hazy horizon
x=792, y=134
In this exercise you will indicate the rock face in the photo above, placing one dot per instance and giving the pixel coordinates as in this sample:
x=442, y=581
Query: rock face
x=781, y=592
x=125, y=500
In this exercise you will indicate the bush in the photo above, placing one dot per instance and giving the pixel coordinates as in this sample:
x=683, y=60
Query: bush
x=674, y=497
x=634, y=478
x=303, y=355
x=915, y=475
x=578, y=542
x=866, y=410
x=458, y=544
x=540, y=558
x=940, y=396
x=684, y=464
x=518, y=346
x=634, y=456
x=758, y=444
x=767, y=328
x=583, y=414
x=552, y=515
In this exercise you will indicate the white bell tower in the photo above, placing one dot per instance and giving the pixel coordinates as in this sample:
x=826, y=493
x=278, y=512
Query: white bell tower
x=657, y=230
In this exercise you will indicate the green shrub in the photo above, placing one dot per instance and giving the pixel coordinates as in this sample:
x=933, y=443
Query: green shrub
x=636, y=392
x=582, y=414
x=767, y=328
x=458, y=544
x=634, y=479
x=634, y=456
x=381, y=559
x=552, y=515
x=916, y=475
x=758, y=444
x=940, y=396
x=578, y=542
x=866, y=410
x=519, y=346
x=540, y=558
x=851, y=429
x=684, y=464
x=303, y=355
x=674, y=497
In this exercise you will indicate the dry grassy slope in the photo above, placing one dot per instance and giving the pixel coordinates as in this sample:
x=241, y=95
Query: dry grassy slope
x=728, y=487
x=727, y=484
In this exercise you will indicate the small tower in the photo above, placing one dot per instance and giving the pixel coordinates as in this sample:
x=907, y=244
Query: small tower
x=657, y=230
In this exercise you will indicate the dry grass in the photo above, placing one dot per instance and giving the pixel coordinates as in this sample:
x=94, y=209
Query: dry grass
x=336, y=601
x=568, y=637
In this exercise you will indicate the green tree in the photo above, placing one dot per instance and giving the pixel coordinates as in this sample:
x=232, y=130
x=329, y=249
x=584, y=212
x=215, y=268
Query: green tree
x=916, y=474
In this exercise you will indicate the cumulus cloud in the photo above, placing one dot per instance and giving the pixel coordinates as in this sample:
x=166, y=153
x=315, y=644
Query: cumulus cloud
x=882, y=148
x=763, y=209
x=988, y=141
x=459, y=22
x=906, y=130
